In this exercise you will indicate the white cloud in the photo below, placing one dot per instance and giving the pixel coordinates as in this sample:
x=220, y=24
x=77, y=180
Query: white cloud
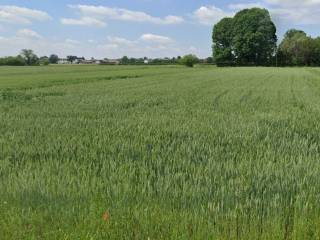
x=305, y=12
x=300, y=3
x=210, y=15
x=21, y=15
x=108, y=47
x=28, y=33
x=148, y=37
x=172, y=20
x=193, y=49
x=283, y=12
x=101, y=13
x=121, y=41
x=71, y=41
x=146, y=45
x=85, y=21
x=240, y=6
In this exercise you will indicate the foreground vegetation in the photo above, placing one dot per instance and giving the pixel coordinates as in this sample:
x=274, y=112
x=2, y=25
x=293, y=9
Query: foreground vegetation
x=95, y=152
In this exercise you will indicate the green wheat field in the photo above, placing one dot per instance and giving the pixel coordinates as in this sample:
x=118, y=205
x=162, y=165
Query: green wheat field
x=116, y=152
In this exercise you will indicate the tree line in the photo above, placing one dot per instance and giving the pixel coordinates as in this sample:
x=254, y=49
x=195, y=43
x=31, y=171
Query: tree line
x=249, y=39
x=188, y=60
x=28, y=58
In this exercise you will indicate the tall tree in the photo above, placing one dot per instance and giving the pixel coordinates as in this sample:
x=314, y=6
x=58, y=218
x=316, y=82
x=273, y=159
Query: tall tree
x=222, y=42
x=249, y=38
x=30, y=57
x=254, y=37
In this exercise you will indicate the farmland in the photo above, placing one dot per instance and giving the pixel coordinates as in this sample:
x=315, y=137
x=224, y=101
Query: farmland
x=115, y=152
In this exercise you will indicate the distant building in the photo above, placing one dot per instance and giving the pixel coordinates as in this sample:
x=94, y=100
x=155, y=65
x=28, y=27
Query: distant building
x=91, y=61
x=86, y=62
x=110, y=61
x=63, y=61
x=78, y=60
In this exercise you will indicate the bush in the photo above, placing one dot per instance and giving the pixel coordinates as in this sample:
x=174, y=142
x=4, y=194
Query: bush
x=189, y=60
x=45, y=62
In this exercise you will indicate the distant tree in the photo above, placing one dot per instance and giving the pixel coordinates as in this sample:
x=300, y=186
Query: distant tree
x=29, y=57
x=124, y=60
x=44, y=60
x=202, y=61
x=132, y=61
x=140, y=61
x=72, y=58
x=298, y=49
x=53, y=59
x=189, y=60
x=209, y=60
x=12, y=61
x=291, y=33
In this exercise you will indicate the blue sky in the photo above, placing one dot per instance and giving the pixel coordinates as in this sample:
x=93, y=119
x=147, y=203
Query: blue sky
x=137, y=28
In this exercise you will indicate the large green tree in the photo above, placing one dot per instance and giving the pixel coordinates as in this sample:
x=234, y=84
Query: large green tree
x=222, y=42
x=249, y=38
x=255, y=39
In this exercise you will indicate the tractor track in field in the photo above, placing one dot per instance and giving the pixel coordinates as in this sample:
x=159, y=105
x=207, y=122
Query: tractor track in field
x=247, y=97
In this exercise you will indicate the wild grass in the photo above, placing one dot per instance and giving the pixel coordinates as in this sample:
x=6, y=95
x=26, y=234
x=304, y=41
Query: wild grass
x=103, y=152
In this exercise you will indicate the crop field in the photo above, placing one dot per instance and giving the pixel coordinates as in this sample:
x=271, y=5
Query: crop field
x=112, y=152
